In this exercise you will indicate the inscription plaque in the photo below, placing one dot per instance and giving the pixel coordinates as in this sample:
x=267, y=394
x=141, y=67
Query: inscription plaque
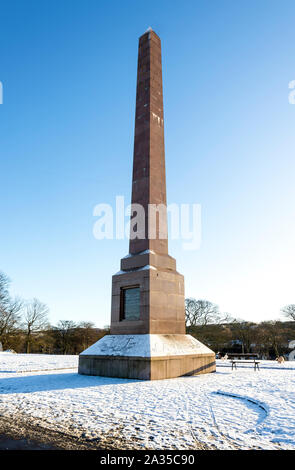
x=130, y=303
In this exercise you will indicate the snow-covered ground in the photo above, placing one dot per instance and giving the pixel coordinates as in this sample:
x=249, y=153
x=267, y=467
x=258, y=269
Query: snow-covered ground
x=227, y=410
x=11, y=363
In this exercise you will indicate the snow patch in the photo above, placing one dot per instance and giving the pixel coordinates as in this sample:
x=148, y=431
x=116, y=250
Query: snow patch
x=146, y=346
x=147, y=266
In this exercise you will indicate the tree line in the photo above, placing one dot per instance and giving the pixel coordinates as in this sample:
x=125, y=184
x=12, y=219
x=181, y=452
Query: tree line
x=25, y=328
x=224, y=333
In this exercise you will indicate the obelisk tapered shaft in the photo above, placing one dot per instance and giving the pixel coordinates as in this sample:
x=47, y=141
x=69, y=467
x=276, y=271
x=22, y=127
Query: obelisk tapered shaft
x=149, y=181
x=148, y=292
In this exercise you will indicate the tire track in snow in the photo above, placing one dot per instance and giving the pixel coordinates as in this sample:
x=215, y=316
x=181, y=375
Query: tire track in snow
x=258, y=404
x=188, y=420
x=231, y=442
x=217, y=434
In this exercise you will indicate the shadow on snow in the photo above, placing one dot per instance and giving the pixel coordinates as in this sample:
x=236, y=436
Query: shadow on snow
x=47, y=382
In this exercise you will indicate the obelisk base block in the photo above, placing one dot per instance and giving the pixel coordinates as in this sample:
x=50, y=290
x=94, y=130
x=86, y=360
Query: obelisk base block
x=147, y=357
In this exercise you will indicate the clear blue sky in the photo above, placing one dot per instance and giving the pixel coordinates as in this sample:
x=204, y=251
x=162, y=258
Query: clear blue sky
x=68, y=70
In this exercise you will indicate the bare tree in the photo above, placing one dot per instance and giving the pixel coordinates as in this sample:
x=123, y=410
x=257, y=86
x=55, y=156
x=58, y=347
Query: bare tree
x=289, y=311
x=35, y=319
x=9, y=320
x=203, y=312
x=245, y=332
x=86, y=333
x=273, y=336
x=66, y=330
x=9, y=311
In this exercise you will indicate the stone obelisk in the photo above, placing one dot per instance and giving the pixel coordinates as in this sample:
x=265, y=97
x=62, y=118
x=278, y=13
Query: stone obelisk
x=147, y=338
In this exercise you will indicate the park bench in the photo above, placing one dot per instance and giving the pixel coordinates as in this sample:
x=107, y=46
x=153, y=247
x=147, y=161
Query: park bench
x=235, y=362
x=242, y=356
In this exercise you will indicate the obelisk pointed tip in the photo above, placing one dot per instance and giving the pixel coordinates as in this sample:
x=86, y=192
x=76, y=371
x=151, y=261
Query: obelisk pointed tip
x=148, y=33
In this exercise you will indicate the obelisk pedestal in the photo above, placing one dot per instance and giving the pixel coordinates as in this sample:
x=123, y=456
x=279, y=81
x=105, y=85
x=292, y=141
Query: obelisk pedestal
x=148, y=339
